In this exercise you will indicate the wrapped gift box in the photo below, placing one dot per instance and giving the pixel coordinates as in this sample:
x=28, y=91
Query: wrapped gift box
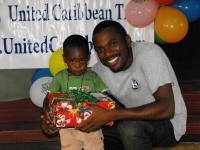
x=64, y=113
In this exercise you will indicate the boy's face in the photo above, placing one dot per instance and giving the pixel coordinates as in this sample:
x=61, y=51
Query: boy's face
x=76, y=60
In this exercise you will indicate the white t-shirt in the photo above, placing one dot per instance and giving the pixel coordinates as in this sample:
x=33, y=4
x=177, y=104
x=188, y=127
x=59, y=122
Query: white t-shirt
x=135, y=86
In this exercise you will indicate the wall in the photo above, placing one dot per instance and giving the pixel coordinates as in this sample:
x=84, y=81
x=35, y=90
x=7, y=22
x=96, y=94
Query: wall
x=15, y=84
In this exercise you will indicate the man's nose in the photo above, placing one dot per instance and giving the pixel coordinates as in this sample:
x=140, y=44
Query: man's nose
x=107, y=52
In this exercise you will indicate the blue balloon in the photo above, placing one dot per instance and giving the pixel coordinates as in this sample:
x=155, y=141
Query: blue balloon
x=190, y=8
x=39, y=73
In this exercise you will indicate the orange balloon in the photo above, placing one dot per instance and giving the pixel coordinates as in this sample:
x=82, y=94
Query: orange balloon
x=171, y=24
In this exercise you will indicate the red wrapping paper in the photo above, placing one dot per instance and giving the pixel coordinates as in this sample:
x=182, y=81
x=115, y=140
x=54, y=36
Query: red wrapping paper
x=64, y=114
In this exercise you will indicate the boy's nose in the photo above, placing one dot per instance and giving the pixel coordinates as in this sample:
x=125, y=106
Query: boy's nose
x=77, y=65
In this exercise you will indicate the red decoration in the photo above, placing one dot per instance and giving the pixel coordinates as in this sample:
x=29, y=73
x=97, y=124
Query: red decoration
x=165, y=2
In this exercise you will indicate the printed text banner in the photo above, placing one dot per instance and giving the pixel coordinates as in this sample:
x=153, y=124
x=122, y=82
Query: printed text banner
x=32, y=30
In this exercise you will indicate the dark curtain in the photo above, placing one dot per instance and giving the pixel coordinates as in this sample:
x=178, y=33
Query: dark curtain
x=188, y=49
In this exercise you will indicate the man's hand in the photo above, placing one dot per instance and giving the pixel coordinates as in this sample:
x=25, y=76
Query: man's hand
x=96, y=120
x=48, y=127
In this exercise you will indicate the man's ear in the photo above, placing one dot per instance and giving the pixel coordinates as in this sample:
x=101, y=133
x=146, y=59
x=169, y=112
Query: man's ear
x=128, y=40
x=89, y=56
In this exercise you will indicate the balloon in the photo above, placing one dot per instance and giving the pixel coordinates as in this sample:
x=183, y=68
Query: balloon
x=158, y=39
x=56, y=62
x=171, y=25
x=45, y=72
x=165, y=2
x=190, y=8
x=140, y=14
x=38, y=90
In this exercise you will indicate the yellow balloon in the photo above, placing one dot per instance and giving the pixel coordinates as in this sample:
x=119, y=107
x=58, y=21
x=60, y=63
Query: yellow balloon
x=56, y=62
x=171, y=24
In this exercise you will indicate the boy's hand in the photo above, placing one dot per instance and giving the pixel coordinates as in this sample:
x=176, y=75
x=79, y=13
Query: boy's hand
x=47, y=114
x=48, y=127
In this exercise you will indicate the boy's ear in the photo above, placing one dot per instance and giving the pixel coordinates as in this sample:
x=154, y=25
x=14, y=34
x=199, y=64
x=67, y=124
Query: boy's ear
x=64, y=58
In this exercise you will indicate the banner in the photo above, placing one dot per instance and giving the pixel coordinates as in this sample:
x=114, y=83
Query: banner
x=32, y=30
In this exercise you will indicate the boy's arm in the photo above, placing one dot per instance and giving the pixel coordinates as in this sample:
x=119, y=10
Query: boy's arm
x=47, y=125
x=46, y=108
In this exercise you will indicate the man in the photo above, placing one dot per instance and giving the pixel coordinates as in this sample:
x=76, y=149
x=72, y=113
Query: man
x=140, y=76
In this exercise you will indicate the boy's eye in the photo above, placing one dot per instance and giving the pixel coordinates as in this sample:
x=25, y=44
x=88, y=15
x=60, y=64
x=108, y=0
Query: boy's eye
x=72, y=61
x=82, y=61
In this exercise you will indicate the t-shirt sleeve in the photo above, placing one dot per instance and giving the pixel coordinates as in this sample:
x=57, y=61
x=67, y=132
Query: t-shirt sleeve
x=99, y=84
x=156, y=67
x=54, y=85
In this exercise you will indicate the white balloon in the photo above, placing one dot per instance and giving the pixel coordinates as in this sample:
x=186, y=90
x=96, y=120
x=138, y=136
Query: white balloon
x=38, y=90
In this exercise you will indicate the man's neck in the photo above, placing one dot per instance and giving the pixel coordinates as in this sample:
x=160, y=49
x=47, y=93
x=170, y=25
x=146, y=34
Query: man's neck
x=130, y=59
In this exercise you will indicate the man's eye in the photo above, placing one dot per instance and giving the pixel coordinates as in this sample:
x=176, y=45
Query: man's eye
x=98, y=50
x=113, y=43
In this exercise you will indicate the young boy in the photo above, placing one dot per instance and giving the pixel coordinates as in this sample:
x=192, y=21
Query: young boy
x=76, y=54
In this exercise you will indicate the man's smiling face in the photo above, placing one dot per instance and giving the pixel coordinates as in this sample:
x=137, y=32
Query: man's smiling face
x=112, y=49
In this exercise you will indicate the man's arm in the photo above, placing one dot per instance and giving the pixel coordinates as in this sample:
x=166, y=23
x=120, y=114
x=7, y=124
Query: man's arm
x=162, y=108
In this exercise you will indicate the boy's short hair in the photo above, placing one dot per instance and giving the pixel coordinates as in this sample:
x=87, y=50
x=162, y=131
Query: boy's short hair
x=75, y=41
x=110, y=23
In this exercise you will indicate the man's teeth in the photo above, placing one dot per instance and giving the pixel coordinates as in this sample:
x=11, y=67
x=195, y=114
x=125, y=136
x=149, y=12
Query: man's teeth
x=113, y=60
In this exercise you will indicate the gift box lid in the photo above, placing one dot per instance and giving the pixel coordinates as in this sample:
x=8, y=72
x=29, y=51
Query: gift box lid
x=77, y=96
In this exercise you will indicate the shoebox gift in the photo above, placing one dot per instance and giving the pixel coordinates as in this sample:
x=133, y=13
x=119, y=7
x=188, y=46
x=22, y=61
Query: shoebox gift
x=66, y=109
